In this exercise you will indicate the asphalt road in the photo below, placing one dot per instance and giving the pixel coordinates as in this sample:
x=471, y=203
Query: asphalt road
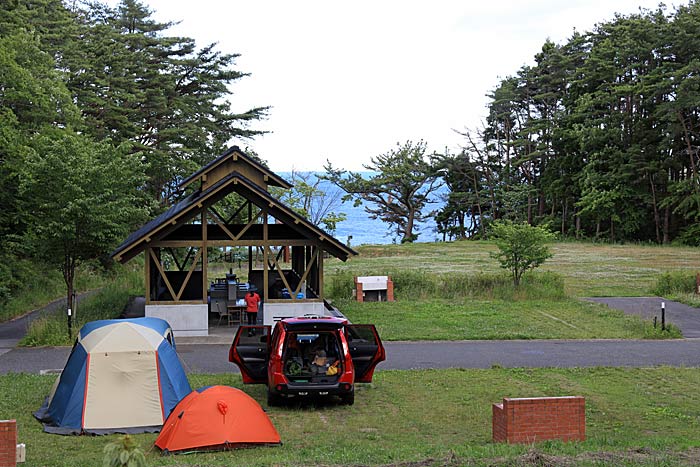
x=12, y=331
x=213, y=358
x=683, y=316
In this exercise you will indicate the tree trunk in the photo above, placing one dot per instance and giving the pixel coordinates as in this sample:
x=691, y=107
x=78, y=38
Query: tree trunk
x=408, y=231
x=657, y=220
x=564, y=213
x=612, y=230
x=540, y=205
x=667, y=224
x=69, y=278
x=689, y=147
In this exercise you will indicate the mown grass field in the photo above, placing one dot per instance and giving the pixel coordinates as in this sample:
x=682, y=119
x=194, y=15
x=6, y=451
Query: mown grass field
x=588, y=269
x=454, y=291
x=468, y=319
x=451, y=291
x=634, y=416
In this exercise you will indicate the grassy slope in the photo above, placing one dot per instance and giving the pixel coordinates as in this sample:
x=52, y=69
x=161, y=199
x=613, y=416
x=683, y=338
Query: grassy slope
x=588, y=269
x=414, y=415
x=44, y=285
x=540, y=312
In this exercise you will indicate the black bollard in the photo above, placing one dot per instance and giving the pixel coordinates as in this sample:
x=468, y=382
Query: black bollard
x=663, y=316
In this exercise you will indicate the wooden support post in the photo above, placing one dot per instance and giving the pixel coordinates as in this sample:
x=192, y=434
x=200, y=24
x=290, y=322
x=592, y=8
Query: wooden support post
x=205, y=257
x=147, y=271
x=266, y=279
x=320, y=273
x=250, y=247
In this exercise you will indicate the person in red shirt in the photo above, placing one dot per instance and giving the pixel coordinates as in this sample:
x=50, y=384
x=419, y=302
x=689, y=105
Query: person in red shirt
x=252, y=301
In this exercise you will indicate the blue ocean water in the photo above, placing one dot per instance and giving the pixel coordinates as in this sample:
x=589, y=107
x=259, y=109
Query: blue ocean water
x=366, y=231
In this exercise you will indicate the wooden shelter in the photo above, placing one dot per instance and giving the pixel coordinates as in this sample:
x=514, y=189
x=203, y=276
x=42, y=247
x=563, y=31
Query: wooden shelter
x=177, y=284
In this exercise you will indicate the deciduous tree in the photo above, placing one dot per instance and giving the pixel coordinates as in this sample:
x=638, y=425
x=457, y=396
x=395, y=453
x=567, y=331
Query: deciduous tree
x=521, y=247
x=80, y=199
x=400, y=188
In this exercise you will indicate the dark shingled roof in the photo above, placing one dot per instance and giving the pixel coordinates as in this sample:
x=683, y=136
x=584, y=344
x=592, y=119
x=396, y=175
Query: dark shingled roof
x=187, y=209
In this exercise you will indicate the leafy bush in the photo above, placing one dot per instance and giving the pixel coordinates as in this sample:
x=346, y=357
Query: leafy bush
x=125, y=452
x=677, y=282
x=689, y=236
x=416, y=284
x=678, y=286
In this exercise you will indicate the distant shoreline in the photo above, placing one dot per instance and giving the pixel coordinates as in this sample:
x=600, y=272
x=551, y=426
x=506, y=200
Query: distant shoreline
x=366, y=231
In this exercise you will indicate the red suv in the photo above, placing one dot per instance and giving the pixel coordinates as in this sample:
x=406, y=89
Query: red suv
x=306, y=357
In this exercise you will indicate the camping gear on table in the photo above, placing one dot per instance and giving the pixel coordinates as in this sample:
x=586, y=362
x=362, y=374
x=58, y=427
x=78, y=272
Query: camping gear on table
x=216, y=417
x=122, y=376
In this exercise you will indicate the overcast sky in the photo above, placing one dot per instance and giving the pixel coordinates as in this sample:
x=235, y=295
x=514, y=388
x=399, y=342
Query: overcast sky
x=348, y=80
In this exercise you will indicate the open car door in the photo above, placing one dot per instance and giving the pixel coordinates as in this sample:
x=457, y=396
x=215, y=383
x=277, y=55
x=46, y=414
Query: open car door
x=250, y=350
x=366, y=350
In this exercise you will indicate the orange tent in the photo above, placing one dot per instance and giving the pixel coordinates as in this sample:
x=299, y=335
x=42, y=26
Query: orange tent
x=216, y=417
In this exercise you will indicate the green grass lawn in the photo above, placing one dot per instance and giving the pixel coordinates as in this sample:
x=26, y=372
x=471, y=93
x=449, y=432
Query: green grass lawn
x=636, y=416
x=588, y=269
x=464, y=319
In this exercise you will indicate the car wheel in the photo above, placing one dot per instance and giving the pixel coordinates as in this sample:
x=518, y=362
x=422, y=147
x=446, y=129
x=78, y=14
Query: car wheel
x=273, y=400
x=348, y=399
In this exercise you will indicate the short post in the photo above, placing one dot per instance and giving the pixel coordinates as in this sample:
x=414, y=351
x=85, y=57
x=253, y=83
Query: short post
x=697, y=283
x=70, y=324
x=663, y=316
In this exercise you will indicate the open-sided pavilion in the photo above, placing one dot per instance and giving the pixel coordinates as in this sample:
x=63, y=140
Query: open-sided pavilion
x=177, y=245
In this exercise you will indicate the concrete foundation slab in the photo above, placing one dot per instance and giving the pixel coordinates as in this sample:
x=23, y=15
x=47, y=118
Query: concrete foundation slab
x=185, y=320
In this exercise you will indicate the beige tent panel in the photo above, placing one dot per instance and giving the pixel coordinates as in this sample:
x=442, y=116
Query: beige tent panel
x=122, y=390
x=122, y=336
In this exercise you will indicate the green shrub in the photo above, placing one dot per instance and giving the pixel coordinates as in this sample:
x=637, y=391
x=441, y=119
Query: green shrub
x=124, y=452
x=419, y=284
x=676, y=282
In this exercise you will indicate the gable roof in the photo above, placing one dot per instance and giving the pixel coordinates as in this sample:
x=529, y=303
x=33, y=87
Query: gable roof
x=190, y=207
x=235, y=152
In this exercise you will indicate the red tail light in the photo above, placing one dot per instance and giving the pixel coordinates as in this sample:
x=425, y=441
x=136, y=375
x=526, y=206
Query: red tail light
x=345, y=386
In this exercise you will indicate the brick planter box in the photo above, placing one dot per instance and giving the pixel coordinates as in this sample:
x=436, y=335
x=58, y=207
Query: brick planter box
x=528, y=420
x=8, y=443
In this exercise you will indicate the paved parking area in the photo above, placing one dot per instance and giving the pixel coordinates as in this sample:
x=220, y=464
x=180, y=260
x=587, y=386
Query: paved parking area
x=685, y=317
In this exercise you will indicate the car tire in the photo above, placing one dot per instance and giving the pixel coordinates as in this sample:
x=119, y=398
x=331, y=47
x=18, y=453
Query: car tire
x=348, y=399
x=273, y=400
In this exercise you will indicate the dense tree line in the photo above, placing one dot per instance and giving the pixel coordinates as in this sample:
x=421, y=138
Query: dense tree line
x=101, y=112
x=599, y=138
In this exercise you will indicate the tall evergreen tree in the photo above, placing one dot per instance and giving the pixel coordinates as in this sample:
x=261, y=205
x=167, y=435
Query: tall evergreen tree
x=162, y=93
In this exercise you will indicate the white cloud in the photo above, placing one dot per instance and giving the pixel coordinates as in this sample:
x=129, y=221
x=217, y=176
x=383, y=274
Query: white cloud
x=348, y=80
